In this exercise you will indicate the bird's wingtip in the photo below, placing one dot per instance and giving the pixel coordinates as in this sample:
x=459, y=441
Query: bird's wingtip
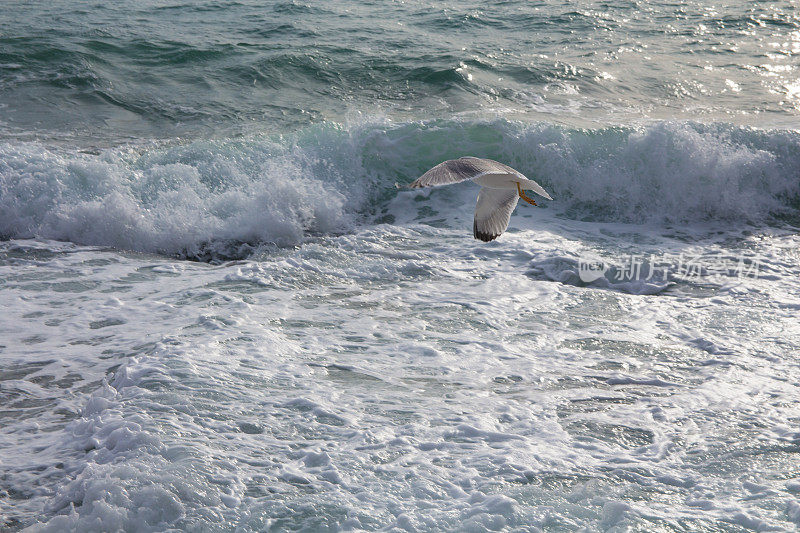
x=480, y=235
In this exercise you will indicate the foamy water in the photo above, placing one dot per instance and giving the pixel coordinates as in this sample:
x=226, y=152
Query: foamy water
x=396, y=377
x=221, y=314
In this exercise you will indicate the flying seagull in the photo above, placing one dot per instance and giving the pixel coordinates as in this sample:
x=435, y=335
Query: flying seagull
x=501, y=188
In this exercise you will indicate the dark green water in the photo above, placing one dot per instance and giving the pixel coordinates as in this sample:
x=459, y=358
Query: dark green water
x=118, y=71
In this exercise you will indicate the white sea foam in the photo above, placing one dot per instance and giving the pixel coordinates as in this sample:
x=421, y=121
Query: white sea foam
x=170, y=200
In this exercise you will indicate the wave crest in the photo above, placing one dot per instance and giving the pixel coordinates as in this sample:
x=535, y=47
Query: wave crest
x=186, y=199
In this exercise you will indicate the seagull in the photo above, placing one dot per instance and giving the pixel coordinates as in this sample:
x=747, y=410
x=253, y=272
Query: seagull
x=501, y=188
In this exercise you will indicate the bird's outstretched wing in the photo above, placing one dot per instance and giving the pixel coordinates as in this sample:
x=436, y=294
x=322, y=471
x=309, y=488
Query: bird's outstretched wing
x=492, y=212
x=461, y=169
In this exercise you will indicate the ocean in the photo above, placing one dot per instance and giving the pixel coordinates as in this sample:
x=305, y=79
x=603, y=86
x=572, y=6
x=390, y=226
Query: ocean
x=221, y=310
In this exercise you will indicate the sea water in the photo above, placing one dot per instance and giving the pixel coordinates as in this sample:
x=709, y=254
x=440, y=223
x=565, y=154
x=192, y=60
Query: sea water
x=219, y=313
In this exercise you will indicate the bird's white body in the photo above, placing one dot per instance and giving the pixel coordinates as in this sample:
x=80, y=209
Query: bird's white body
x=505, y=181
x=501, y=188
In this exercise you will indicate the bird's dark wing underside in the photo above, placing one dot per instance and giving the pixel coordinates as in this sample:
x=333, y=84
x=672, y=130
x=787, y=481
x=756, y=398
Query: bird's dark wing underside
x=493, y=212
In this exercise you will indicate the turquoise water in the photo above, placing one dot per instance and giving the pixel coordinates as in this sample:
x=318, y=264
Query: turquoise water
x=221, y=314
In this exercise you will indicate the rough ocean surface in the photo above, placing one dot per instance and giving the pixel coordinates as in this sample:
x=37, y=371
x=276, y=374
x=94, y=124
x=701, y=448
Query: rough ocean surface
x=220, y=314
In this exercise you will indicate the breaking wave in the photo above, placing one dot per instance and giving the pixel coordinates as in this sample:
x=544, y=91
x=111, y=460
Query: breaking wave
x=194, y=198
